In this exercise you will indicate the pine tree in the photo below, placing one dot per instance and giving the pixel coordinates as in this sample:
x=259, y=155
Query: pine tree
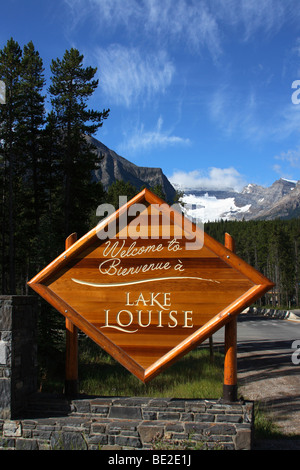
x=30, y=125
x=118, y=189
x=10, y=70
x=72, y=86
x=31, y=196
x=50, y=221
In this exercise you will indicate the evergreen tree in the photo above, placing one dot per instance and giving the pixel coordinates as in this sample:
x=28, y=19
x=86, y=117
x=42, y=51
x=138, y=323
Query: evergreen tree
x=72, y=86
x=158, y=190
x=10, y=70
x=30, y=125
x=117, y=189
x=52, y=242
x=29, y=130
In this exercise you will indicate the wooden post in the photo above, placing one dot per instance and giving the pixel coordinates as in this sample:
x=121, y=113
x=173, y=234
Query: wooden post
x=230, y=361
x=71, y=378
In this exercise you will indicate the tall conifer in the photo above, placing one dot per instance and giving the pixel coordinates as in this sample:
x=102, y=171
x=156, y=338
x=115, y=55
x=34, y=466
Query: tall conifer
x=30, y=127
x=10, y=70
x=72, y=86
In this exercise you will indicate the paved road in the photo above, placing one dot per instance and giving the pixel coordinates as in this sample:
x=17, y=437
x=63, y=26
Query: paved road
x=269, y=366
x=253, y=329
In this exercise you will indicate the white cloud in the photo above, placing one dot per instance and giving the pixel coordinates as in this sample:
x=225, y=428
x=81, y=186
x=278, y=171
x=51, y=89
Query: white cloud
x=277, y=168
x=268, y=16
x=248, y=114
x=290, y=162
x=287, y=121
x=141, y=139
x=292, y=157
x=195, y=24
x=213, y=179
x=237, y=111
x=126, y=74
x=166, y=22
x=190, y=23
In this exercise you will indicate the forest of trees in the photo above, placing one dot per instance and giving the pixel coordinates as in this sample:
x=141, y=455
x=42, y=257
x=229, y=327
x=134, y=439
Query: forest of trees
x=45, y=177
x=273, y=248
x=45, y=162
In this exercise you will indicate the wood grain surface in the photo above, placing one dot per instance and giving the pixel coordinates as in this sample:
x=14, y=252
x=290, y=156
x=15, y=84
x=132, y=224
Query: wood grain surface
x=154, y=291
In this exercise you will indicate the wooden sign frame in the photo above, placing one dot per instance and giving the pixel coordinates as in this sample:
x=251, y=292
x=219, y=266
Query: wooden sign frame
x=255, y=286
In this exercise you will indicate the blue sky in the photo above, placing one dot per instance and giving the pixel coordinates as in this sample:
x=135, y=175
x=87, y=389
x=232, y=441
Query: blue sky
x=199, y=88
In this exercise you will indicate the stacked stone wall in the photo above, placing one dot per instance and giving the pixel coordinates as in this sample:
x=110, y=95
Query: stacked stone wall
x=130, y=424
x=18, y=353
x=33, y=421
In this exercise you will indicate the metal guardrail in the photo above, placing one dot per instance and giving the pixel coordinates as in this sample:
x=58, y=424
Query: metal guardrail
x=274, y=313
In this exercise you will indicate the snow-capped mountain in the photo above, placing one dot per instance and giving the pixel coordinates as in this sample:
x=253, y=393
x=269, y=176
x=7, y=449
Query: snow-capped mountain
x=281, y=200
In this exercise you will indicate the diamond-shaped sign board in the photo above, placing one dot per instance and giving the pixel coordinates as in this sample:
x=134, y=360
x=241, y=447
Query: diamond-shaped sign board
x=148, y=285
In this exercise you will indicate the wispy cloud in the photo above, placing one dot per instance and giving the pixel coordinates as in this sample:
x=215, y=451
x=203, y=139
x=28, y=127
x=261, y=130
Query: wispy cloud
x=214, y=178
x=190, y=24
x=288, y=163
x=252, y=16
x=236, y=112
x=287, y=122
x=249, y=114
x=197, y=25
x=181, y=21
x=141, y=139
x=153, y=35
x=126, y=75
x=292, y=157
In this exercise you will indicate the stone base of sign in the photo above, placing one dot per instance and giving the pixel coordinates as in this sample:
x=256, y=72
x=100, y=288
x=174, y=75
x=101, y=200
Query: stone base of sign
x=18, y=353
x=114, y=423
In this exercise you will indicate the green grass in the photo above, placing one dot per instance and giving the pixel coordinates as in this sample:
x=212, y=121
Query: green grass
x=264, y=426
x=193, y=376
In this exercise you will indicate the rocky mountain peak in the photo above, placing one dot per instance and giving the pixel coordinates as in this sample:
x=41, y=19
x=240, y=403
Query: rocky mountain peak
x=280, y=200
x=113, y=167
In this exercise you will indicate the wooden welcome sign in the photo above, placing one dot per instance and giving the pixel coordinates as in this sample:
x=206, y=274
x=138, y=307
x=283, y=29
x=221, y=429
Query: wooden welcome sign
x=147, y=285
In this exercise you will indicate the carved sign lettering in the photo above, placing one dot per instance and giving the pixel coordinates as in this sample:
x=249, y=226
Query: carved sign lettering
x=151, y=288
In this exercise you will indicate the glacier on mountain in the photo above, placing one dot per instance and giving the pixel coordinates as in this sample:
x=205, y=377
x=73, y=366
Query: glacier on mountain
x=280, y=200
x=206, y=208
